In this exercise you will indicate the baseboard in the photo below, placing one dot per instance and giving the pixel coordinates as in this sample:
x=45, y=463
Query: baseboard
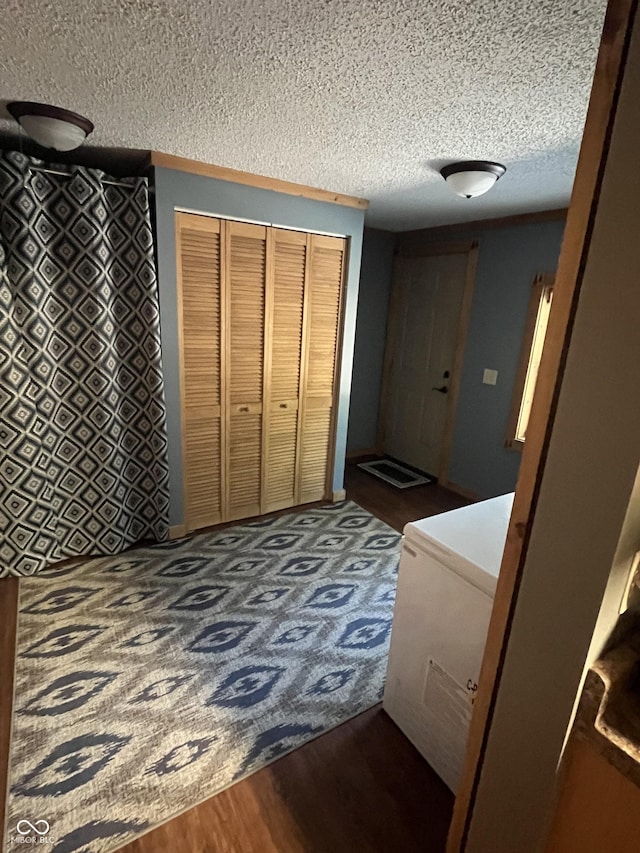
x=340, y=495
x=368, y=451
x=460, y=490
x=177, y=531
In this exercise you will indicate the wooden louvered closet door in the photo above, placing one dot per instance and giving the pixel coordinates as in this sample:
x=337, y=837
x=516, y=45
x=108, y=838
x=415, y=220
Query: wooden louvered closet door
x=199, y=308
x=245, y=308
x=325, y=269
x=259, y=314
x=285, y=302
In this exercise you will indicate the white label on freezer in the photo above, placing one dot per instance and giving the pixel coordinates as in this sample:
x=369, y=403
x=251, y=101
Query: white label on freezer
x=448, y=706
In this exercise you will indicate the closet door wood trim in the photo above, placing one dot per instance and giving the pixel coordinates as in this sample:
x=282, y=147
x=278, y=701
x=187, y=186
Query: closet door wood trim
x=341, y=494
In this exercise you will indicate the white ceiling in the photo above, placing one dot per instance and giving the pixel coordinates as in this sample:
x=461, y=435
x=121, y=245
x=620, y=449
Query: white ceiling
x=366, y=97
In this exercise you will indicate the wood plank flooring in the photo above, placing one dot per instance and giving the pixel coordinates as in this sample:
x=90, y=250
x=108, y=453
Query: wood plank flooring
x=8, y=614
x=361, y=788
x=398, y=506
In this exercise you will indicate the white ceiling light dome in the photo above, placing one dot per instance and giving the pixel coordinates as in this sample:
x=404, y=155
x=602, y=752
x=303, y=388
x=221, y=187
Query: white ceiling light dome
x=472, y=178
x=49, y=126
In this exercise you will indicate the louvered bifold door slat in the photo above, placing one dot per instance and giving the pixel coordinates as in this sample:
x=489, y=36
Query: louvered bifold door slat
x=199, y=311
x=245, y=309
x=285, y=299
x=321, y=336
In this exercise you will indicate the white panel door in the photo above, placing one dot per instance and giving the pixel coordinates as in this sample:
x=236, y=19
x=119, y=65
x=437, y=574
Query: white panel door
x=431, y=291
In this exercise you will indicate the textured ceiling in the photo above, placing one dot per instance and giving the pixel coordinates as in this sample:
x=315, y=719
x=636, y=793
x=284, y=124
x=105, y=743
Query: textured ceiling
x=366, y=97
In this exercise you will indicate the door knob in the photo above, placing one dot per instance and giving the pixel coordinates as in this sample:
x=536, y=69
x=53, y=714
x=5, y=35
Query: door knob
x=442, y=389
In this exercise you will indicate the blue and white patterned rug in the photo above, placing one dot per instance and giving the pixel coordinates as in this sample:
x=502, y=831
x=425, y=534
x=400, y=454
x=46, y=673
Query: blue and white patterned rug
x=148, y=682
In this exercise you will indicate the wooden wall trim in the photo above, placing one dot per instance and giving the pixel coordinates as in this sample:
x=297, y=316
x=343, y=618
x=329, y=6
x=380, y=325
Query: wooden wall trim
x=440, y=231
x=177, y=531
x=222, y=173
x=582, y=210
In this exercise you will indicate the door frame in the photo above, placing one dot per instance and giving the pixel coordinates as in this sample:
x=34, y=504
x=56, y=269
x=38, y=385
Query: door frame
x=461, y=247
x=329, y=493
x=581, y=216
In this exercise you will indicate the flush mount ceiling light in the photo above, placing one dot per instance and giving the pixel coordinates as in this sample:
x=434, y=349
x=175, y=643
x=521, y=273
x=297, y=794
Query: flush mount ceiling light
x=472, y=177
x=51, y=127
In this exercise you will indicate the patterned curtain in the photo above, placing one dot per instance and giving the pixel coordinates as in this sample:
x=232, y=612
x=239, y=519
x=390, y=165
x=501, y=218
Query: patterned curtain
x=83, y=445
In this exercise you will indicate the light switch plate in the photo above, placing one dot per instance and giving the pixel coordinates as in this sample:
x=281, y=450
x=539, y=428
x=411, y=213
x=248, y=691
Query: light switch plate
x=489, y=377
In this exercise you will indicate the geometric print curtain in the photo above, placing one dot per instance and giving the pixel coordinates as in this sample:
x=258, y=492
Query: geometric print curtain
x=83, y=441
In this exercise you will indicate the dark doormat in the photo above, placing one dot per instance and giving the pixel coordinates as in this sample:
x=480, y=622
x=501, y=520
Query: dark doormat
x=395, y=474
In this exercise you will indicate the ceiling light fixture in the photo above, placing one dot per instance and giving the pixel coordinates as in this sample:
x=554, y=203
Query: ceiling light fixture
x=51, y=127
x=472, y=177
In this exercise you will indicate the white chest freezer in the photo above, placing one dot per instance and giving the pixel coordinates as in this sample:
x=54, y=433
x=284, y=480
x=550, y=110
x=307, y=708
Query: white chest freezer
x=446, y=582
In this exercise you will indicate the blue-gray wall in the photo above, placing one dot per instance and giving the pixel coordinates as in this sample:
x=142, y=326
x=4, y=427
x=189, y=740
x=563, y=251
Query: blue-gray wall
x=371, y=330
x=509, y=258
x=174, y=189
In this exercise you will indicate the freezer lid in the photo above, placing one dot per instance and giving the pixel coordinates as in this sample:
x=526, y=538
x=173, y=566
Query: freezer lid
x=470, y=539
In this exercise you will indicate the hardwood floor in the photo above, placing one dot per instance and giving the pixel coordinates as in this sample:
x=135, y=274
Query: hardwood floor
x=398, y=506
x=8, y=613
x=361, y=788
